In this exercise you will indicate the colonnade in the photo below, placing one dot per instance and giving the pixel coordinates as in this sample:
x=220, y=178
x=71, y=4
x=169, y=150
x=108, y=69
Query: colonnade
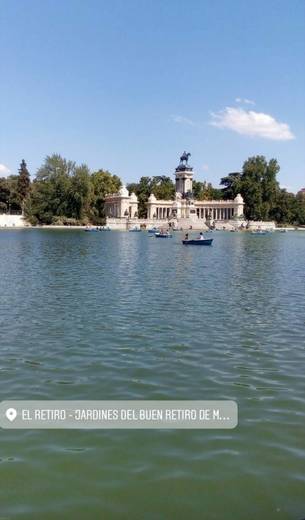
x=119, y=209
x=163, y=212
x=215, y=213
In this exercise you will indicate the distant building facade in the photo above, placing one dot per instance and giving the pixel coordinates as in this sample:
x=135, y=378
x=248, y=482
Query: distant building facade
x=182, y=212
x=301, y=193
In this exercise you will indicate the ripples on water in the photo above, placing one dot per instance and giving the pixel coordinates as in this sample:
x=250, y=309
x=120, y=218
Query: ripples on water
x=126, y=316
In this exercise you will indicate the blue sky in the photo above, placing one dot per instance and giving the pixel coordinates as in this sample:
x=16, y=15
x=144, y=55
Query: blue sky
x=128, y=85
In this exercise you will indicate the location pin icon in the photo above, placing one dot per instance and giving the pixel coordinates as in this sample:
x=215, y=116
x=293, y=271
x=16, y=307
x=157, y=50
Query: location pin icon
x=11, y=414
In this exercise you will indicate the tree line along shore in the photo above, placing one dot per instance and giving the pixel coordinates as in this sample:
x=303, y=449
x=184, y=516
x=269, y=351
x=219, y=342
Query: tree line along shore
x=64, y=193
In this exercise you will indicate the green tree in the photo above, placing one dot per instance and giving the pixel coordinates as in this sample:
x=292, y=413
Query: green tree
x=259, y=187
x=300, y=208
x=102, y=183
x=270, y=187
x=55, y=167
x=23, y=182
x=39, y=207
x=142, y=189
x=54, y=178
x=4, y=195
x=163, y=187
x=79, y=196
x=9, y=195
x=198, y=190
x=205, y=191
x=60, y=191
x=284, y=209
x=232, y=185
x=14, y=203
x=257, y=184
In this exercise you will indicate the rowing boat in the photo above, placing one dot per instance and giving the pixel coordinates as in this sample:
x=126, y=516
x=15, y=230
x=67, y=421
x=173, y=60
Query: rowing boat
x=198, y=242
x=163, y=235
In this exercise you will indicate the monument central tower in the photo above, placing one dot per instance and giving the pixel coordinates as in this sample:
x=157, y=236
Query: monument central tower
x=184, y=176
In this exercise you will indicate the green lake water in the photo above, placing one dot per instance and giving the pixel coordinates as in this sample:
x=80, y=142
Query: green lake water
x=127, y=316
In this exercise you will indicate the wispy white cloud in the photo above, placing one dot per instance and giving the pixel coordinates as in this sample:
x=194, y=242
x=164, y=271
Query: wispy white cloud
x=183, y=120
x=249, y=122
x=244, y=101
x=4, y=170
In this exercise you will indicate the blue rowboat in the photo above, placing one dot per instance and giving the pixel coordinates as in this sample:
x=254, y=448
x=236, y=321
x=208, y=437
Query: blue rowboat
x=163, y=235
x=153, y=230
x=198, y=242
x=91, y=230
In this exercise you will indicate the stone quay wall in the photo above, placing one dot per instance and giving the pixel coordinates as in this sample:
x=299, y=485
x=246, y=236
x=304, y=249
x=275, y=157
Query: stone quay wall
x=9, y=221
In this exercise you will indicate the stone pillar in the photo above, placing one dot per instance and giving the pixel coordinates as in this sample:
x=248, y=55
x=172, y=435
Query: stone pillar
x=123, y=207
x=239, y=205
x=133, y=210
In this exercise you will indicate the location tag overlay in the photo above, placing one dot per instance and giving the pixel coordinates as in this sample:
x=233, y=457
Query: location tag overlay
x=11, y=414
x=118, y=414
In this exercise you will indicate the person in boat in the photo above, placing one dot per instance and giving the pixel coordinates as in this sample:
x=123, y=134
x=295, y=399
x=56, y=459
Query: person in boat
x=186, y=236
x=201, y=237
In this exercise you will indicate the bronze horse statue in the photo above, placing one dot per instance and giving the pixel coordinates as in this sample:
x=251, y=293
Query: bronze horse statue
x=184, y=158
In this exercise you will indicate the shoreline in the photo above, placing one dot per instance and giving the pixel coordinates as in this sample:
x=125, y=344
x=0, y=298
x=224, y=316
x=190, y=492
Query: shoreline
x=84, y=227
